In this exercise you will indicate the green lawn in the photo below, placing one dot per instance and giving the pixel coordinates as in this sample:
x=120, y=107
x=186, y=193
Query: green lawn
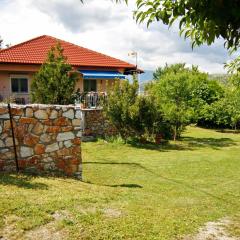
x=130, y=192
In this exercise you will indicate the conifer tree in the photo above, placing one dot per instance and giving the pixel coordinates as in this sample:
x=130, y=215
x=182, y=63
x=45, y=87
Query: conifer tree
x=54, y=83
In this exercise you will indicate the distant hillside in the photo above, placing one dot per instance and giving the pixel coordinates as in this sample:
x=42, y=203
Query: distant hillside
x=146, y=76
x=223, y=78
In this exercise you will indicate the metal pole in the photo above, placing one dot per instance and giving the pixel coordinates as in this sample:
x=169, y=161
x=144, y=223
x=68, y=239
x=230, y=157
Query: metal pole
x=13, y=137
x=136, y=60
x=139, y=89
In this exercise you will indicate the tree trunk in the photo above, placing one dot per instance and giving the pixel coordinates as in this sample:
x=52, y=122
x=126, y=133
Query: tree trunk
x=175, y=133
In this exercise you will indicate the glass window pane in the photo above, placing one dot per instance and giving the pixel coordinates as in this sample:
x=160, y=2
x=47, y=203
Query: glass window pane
x=93, y=85
x=23, y=85
x=14, y=85
x=90, y=85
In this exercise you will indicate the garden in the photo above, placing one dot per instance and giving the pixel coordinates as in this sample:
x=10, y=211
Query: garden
x=171, y=172
x=132, y=191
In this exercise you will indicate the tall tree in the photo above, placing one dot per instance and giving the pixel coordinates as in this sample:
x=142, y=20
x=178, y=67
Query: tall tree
x=54, y=83
x=173, y=92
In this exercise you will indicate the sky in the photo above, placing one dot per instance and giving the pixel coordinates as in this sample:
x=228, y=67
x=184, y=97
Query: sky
x=106, y=27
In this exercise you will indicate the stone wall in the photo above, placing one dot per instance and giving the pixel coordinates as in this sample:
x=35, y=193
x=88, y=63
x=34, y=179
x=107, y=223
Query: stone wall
x=96, y=125
x=48, y=138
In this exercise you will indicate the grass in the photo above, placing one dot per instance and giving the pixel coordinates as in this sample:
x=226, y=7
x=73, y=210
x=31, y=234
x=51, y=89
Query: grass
x=131, y=191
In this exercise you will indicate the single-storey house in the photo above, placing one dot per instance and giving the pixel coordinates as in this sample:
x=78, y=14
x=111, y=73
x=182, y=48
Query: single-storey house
x=19, y=63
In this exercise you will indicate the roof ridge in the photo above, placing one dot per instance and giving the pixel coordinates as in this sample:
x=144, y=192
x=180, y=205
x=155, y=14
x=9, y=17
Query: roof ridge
x=23, y=53
x=22, y=43
x=93, y=51
x=57, y=39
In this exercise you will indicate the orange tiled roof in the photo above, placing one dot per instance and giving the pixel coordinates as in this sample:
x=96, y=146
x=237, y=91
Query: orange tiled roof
x=35, y=51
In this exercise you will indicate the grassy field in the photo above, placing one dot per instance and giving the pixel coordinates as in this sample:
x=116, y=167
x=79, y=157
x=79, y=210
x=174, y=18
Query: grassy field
x=130, y=192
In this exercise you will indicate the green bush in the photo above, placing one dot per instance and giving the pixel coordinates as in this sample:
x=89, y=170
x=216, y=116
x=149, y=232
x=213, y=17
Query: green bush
x=134, y=116
x=117, y=108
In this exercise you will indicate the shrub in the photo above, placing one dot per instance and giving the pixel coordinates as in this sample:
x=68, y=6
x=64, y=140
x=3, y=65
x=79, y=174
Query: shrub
x=133, y=115
x=118, y=106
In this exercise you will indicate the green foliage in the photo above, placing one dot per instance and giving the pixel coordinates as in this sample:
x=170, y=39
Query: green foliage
x=216, y=115
x=233, y=100
x=134, y=116
x=177, y=90
x=224, y=110
x=201, y=21
x=173, y=93
x=119, y=104
x=142, y=115
x=176, y=98
x=208, y=102
x=206, y=90
x=147, y=118
x=143, y=192
x=234, y=66
x=204, y=93
x=54, y=83
x=174, y=68
x=234, y=79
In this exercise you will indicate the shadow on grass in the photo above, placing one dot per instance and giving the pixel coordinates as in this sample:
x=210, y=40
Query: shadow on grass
x=215, y=143
x=187, y=143
x=172, y=180
x=115, y=163
x=164, y=147
x=129, y=185
x=21, y=181
x=228, y=131
x=194, y=188
x=124, y=185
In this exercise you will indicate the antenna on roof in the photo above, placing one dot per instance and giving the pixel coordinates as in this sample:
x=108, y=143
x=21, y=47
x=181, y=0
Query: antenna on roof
x=135, y=54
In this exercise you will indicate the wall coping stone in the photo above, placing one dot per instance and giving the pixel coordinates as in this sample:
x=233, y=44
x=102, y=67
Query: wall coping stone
x=40, y=106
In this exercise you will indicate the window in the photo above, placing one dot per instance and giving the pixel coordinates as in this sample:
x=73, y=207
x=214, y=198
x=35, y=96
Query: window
x=90, y=85
x=19, y=84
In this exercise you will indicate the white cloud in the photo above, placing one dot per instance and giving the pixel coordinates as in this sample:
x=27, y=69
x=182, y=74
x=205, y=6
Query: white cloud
x=106, y=27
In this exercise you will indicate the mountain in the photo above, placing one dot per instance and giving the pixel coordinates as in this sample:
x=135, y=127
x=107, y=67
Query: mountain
x=223, y=78
x=146, y=76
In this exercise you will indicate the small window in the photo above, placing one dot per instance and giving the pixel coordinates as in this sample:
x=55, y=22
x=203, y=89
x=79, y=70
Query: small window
x=90, y=85
x=19, y=85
